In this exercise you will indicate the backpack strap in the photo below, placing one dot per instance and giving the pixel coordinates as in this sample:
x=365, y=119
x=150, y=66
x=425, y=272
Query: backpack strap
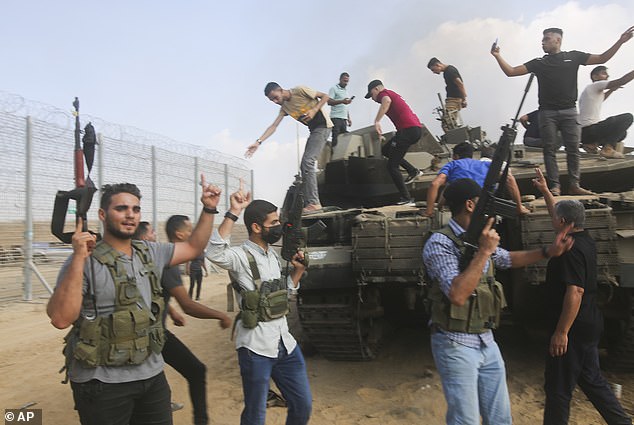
x=257, y=280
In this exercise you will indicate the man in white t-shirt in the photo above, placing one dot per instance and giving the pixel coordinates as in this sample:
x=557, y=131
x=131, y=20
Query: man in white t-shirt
x=610, y=131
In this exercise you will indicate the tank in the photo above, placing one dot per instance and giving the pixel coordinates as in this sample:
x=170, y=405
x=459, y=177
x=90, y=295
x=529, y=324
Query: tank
x=366, y=273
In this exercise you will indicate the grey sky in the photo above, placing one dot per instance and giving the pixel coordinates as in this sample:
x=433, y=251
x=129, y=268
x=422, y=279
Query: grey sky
x=195, y=70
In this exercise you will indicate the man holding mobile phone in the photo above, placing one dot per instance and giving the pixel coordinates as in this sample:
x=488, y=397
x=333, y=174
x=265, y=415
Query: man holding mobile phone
x=339, y=102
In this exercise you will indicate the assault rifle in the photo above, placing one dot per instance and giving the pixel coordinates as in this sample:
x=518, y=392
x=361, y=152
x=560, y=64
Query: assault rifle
x=489, y=203
x=291, y=217
x=84, y=187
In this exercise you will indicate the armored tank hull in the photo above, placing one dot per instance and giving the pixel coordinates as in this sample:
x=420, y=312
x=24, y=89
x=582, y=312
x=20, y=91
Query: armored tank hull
x=366, y=272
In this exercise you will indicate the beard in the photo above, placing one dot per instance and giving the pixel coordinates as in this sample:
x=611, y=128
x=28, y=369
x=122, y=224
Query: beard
x=111, y=229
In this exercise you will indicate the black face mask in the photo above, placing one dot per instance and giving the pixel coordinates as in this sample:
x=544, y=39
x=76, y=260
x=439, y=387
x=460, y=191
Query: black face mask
x=272, y=234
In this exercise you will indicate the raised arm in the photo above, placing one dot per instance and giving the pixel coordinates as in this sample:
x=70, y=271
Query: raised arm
x=510, y=71
x=190, y=249
x=64, y=306
x=618, y=83
x=607, y=55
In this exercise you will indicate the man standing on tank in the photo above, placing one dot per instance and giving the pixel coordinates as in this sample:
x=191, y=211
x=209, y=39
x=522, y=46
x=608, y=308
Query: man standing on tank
x=339, y=101
x=557, y=77
x=408, y=131
x=456, y=92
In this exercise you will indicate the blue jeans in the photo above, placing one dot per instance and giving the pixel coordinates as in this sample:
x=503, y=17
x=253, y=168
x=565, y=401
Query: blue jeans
x=289, y=374
x=567, y=122
x=474, y=382
x=314, y=145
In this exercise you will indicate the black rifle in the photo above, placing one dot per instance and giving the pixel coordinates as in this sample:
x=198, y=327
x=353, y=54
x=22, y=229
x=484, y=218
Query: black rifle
x=489, y=203
x=84, y=187
x=291, y=218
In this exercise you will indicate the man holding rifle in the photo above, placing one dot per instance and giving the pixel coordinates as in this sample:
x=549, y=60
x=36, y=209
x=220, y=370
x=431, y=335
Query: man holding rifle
x=110, y=292
x=465, y=307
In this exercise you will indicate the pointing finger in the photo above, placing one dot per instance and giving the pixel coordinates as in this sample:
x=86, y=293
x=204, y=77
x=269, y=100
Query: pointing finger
x=80, y=225
x=241, y=189
x=203, y=181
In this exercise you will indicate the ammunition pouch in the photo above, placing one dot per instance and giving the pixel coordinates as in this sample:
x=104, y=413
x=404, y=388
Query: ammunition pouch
x=269, y=300
x=479, y=313
x=132, y=331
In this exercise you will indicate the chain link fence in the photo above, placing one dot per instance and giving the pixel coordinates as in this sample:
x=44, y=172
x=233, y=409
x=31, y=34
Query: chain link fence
x=36, y=160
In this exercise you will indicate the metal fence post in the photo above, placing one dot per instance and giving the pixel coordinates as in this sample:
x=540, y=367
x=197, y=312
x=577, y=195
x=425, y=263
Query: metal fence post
x=100, y=167
x=252, y=185
x=227, y=193
x=154, y=193
x=196, y=188
x=27, y=290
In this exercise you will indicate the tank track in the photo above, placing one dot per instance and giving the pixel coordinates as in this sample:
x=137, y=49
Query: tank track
x=342, y=325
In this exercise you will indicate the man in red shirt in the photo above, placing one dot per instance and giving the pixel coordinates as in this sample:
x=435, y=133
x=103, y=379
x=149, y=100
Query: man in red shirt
x=408, y=131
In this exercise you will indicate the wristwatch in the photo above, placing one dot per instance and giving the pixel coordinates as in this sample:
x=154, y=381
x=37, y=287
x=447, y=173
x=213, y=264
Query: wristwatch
x=231, y=216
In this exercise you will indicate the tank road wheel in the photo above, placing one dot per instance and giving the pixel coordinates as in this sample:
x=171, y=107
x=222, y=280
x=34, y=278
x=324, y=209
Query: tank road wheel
x=343, y=324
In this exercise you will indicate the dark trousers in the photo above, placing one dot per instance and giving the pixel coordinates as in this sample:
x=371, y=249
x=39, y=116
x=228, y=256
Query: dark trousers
x=610, y=131
x=177, y=355
x=579, y=366
x=395, y=151
x=195, y=280
x=339, y=126
x=142, y=402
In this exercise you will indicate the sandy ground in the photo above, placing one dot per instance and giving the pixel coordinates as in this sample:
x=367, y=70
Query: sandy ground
x=400, y=387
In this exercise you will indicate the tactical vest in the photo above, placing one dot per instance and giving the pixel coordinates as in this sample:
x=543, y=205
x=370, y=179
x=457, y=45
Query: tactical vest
x=267, y=302
x=133, y=330
x=480, y=312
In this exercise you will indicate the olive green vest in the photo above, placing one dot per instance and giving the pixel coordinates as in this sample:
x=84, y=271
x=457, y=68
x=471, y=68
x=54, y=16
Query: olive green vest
x=267, y=302
x=133, y=330
x=480, y=313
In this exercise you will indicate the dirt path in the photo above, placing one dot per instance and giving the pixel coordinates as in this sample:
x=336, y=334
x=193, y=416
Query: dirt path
x=400, y=387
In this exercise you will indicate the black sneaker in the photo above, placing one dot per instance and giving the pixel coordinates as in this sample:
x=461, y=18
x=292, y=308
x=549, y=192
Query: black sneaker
x=404, y=202
x=410, y=178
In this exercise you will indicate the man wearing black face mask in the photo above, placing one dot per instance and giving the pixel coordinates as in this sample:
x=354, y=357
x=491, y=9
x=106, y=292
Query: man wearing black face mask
x=265, y=347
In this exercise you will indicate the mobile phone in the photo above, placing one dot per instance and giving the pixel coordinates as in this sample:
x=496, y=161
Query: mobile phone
x=495, y=44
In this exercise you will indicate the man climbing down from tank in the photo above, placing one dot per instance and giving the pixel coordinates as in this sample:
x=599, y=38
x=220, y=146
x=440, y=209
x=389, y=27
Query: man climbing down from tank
x=466, y=355
x=265, y=347
x=557, y=77
x=308, y=107
x=456, y=98
x=464, y=166
x=408, y=131
x=574, y=319
x=110, y=292
x=610, y=131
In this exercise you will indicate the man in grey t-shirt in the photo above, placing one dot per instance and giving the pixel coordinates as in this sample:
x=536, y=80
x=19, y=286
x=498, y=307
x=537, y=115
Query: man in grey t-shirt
x=113, y=351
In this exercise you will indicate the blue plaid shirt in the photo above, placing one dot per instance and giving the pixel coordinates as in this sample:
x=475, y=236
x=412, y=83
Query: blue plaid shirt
x=441, y=257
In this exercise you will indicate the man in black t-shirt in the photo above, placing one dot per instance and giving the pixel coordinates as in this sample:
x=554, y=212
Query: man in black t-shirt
x=574, y=320
x=557, y=77
x=456, y=93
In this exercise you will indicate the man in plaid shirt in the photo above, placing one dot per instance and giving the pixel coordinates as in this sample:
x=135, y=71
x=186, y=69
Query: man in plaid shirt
x=466, y=306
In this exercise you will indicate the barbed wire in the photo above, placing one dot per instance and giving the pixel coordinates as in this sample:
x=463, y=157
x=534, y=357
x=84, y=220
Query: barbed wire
x=62, y=120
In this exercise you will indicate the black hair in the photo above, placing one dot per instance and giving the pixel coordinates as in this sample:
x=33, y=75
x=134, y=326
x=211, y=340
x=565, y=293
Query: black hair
x=463, y=150
x=141, y=230
x=432, y=62
x=256, y=212
x=109, y=190
x=344, y=74
x=458, y=192
x=555, y=30
x=174, y=224
x=597, y=69
x=270, y=87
